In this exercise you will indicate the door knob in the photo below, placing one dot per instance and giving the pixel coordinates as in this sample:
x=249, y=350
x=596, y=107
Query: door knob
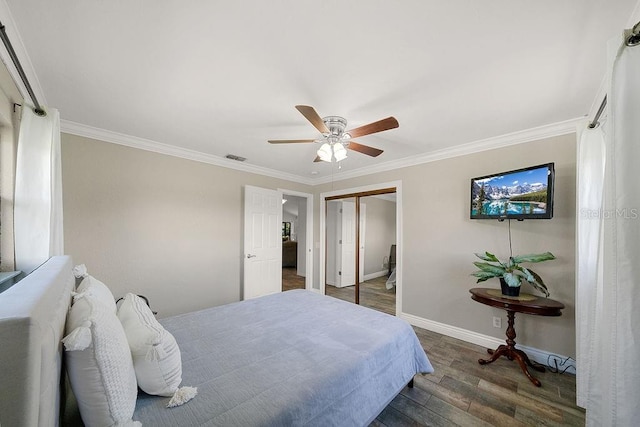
x=251, y=256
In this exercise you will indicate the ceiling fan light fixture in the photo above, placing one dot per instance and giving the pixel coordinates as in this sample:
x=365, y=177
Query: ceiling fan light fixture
x=335, y=141
x=325, y=153
x=328, y=152
x=339, y=152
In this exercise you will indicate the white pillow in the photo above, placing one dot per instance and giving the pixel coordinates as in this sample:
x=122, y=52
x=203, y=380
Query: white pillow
x=99, y=364
x=98, y=290
x=156, y=356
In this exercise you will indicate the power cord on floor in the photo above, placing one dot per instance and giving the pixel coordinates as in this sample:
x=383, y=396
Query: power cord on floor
x=557, y=364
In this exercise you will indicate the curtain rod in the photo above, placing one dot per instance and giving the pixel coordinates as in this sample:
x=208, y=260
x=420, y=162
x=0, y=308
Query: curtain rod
x=12, y=53
x=632, y=40
x=595, y=122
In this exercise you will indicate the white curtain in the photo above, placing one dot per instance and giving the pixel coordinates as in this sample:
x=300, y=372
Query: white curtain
x=608, y=279
x=38, y=193
x=590, y=177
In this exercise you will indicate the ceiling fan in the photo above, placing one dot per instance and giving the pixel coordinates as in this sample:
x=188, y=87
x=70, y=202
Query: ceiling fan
x=335, y=141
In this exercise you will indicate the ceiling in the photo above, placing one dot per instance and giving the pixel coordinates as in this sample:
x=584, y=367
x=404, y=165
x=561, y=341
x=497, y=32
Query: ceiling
x=223, y=77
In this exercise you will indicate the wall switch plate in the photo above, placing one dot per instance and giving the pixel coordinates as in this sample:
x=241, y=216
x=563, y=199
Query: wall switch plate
x=497, y=322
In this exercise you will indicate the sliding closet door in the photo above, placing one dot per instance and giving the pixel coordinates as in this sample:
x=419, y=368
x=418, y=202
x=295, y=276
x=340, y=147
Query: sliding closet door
x=341, y=243
x=377, y=243
x=347, y=245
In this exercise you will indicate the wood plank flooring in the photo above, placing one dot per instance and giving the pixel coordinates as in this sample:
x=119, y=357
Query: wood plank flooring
x=465, y=393
x=373, y=294
x=291, y=280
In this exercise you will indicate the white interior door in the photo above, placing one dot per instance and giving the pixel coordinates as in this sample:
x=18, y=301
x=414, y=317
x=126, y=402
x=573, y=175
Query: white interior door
x=348, y=246
x=262, y=242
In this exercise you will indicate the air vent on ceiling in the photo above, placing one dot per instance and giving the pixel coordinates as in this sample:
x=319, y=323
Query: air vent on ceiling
x=236, y=158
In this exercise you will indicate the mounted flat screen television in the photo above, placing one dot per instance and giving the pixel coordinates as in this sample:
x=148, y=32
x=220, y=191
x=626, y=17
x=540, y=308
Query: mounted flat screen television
x=518, y=194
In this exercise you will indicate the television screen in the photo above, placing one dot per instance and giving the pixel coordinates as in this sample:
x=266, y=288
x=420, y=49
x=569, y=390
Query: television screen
x=518, y=194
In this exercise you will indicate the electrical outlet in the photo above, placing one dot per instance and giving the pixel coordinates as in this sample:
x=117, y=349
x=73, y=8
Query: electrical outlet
x=497, y=322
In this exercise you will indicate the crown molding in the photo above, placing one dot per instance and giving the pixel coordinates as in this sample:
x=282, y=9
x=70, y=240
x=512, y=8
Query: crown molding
x=78, y=129
x=542, y=132
x=515, y=138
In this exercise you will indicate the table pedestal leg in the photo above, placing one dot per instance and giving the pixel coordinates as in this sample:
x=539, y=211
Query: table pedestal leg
x=511, y=352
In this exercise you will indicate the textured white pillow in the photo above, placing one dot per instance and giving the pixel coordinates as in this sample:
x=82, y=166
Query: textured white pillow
x=98, y=290
x=99, y=364
x=156, y=356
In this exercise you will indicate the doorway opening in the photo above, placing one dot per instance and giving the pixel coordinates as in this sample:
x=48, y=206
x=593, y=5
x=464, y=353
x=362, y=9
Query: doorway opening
x=361, y=247
x=297, y=237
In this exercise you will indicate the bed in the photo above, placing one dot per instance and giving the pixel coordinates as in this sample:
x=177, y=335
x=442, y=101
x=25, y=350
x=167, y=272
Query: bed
x=293, y=358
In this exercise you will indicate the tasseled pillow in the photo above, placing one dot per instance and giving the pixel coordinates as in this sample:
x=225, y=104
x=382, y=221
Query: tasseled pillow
x=156, y=355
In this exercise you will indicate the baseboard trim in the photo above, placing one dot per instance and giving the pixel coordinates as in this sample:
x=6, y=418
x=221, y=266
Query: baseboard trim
x=537, y=355
x=374, y=275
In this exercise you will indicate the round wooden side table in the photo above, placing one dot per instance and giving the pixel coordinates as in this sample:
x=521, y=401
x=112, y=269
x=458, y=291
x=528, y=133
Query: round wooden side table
x=525, y=303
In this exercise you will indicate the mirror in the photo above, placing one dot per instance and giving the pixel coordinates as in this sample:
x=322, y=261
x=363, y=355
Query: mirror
x=363, y=252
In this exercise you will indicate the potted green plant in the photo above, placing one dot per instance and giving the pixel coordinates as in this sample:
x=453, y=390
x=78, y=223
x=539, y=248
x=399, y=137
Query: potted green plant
x=511, y=273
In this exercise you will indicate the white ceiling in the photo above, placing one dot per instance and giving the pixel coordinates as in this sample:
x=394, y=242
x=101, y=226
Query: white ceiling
x=220, y=77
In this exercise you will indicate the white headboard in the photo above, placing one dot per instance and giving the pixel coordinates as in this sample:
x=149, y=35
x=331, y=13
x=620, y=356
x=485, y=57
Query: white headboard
x=32, y=317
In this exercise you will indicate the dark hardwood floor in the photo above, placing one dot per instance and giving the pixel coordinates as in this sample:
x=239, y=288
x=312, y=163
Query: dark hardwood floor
x=465, y=393
x=291, y=280
x=373, y=294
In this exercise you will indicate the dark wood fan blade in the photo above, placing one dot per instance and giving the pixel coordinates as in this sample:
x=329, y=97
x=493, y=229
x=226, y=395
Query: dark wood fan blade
x=289, y=141
x=317, y=159
x=310, y=114
x=364, y=149
x=379, y=126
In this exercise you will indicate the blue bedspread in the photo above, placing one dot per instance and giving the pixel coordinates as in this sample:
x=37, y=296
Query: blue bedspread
x=290, y=359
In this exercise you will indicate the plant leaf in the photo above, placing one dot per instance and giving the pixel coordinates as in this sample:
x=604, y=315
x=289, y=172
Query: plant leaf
x=488, y=257
x=512, y=280
x=484, y=275
x=527, y=275
x=534, y=257
x=495, y=269
x=538, y=283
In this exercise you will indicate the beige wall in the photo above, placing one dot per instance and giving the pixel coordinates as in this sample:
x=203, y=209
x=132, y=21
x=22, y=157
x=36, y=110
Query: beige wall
x=439, y=240
x=171, y=229
x=164, y=227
